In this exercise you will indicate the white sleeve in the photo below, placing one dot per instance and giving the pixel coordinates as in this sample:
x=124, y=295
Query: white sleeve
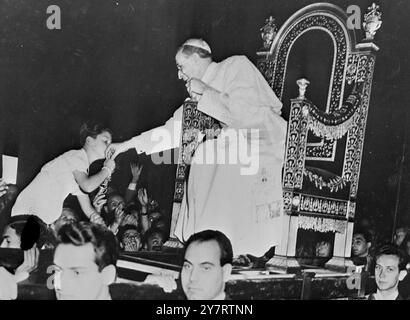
x=245, y=93
x=161, y=138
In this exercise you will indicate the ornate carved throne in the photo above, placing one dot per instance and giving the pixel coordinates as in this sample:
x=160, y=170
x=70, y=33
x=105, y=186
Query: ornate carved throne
x=324, y=141
x=325, y=132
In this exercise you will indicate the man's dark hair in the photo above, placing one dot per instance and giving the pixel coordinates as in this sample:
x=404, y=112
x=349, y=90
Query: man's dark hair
x=18, y=222
x=190, y=50
x=391, y=249
x=103, y=240
x=224, y=243
x=150, y=232
x=365, y=233
x=31, y=229
x=92, y=129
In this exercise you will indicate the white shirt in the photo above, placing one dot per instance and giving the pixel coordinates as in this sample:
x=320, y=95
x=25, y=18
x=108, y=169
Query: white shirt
x=45, y=195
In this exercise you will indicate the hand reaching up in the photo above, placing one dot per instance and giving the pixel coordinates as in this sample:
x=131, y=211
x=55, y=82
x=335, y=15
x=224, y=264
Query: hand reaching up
x=99, y=201
x=30, y=262
x=136, y=172
x=119, y=214
x=143, y=197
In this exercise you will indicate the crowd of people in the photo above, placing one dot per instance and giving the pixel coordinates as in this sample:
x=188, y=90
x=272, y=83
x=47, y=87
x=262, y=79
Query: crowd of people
x=136, y=219
x=134, y=222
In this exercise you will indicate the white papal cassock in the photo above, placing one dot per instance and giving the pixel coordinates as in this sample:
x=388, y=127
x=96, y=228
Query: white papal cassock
x=234, y=183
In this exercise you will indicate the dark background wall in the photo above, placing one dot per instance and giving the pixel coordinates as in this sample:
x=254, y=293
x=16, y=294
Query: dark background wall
x=114, y=61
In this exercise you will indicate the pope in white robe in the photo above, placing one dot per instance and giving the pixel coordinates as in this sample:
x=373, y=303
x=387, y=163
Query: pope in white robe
x=234, y=184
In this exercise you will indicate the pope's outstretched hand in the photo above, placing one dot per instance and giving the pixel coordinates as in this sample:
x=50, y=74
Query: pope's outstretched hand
x=114, y=149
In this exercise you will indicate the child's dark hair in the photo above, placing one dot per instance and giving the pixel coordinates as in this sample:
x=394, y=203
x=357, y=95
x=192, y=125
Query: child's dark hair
x=92, y=129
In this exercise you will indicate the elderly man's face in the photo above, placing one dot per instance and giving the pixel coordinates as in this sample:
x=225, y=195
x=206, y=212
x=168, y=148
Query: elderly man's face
x=202, y=276
x=187, y=66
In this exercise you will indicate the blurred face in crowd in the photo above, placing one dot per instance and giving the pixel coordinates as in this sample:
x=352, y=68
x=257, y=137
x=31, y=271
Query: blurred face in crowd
x=408, y=248
x=323, y=249
x=77, y=276
x=131, y=241
x=360, y=248
x=160, y=224
x=11, y=239
x=67, y=216
x=155, y=242
x=114, y=202
x=100, y=143
x=153, y=217
x=399, y=236
x=12, y=193
x=202, y=275
x=133, y=211
x=387, y=273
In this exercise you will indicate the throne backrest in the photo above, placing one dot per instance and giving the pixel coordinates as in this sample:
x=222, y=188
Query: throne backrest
x=324, y=144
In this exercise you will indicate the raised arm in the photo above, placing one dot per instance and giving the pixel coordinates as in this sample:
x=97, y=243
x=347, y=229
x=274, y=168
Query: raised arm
x=156, y=140
x=89, y=210
x=143, y=199
x=131, y=191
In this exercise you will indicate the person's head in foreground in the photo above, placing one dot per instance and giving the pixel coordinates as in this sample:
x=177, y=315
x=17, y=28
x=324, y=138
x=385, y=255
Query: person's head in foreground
x=361, y=243
x=12, y=233
x=84, y=262
x=207, y=265
x=22, y=231
x=192, y=59
x=389, y=271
